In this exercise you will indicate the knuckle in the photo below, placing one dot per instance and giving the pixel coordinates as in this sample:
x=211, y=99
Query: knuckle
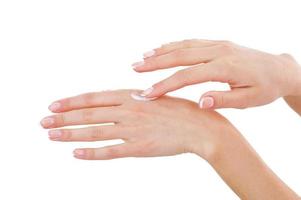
x=182, y=77
x=220, y=101
x=288, y=58
x=229, y=63
x=225, y=42
x=153, y=62
x=223, y=101
x=134, y=114
x=178, y=54
x=124, y=112
x=286, y=55
x=60, y=119
x=96, y=133
x=90, y=154
x=88, y=98
x=87, y=115
x=112, y=153
x=67, y=134
x=227, y=48
x=166, y=47
x=66, y=103
x=188, y=42
x=179, y=76
x=139, y=111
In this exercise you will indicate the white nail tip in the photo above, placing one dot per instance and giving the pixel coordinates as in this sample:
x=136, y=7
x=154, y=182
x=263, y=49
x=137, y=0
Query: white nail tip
x=141, y=98
x=147, y=92
x=206, y=101
x=201, y=103
x=138, y=64
x=149, y=54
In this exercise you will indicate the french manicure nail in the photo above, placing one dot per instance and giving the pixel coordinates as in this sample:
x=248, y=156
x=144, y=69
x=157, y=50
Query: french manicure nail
x=137, y=64
x=149, y=54
x=138, y=97
x=55, y=106
x=206, y=102
x=54, y=134
x=79, y=153
x=48, y=121
x=146, y=92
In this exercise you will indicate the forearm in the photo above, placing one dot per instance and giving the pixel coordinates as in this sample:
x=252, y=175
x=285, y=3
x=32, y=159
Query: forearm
x=243, y=170
x=294, y=102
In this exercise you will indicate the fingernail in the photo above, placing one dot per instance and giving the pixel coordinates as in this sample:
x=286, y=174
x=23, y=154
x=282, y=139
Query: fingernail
x=147, y=92
x=79, y=153
x=149, y=54
x=48, y=121
x=55, y=106
x=138, y=97
x=137, y=64
x=54, y=134
x=206, y=102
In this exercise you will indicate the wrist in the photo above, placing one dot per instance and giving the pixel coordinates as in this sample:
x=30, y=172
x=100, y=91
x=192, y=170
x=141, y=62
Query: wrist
x=293, y=80
x=297, y=83
x=213, y=148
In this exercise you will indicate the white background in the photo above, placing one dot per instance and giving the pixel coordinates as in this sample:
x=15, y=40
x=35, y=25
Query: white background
x=58, y=48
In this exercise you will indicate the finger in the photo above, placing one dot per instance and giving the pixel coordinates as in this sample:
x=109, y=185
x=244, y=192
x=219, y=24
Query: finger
x=106, y=153
x=94, y=133
x=181, y=57
x=84, y=116
x=189, y=76
x=237, y=98
x=169, y=47
x=190, y=43
x=88, y=100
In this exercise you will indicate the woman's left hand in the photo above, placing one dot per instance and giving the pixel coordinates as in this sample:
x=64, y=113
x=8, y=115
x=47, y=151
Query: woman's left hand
x=167, y=126
x=255, y=77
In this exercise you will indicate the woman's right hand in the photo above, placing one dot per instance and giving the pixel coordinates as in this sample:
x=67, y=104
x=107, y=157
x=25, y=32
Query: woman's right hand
x=255, y=78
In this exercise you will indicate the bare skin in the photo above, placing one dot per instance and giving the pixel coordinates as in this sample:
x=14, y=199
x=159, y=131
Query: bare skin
x=156, y=128
x=294, y=102
x=255, y=78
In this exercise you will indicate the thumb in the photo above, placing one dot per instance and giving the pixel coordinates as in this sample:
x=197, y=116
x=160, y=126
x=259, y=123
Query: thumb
x=238, y=98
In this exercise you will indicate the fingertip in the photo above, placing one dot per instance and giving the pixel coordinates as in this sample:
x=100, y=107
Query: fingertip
x=47, y=122
x=55, y=135
x=149, y=54
x=55, y=107
x=137, y=69
x=159, y=89
x=147, y=92
x=137, y=65
x=206, y=102
x=80, y=154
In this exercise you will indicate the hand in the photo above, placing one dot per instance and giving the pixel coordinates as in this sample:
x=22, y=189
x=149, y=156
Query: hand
x=255, y=78
x=164, y=127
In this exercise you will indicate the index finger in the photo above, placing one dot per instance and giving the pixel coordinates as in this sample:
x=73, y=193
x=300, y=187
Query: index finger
x=193, y=75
